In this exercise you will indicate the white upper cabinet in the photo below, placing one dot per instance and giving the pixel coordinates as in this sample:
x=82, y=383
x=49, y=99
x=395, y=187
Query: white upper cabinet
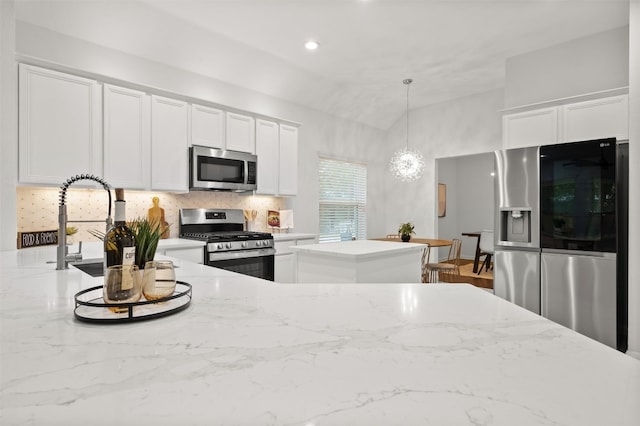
x=596, y=119
x=288, y=167
x=530, y=128
x=277, y=150
x=267, y=150
x=207, y=126
x=127, y=138
x=240, y=132
x=593, y=119
x=70, y=125
x=59, y=126
x=169, y=144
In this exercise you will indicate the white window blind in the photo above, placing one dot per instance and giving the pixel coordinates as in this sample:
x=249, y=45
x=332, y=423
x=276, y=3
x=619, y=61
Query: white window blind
x=343, y=201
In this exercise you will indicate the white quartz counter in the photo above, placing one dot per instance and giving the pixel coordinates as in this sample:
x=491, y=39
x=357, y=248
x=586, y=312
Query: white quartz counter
x=361, y=261
x=251, y=352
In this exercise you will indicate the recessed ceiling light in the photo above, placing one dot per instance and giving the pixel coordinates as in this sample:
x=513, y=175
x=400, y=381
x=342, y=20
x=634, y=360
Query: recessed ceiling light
x=311, y=45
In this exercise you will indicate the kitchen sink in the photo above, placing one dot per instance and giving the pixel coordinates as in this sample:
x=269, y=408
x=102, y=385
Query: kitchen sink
x=93, y=267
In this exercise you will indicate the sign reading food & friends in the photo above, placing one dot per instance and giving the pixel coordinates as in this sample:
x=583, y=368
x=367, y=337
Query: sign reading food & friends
x=37, y=238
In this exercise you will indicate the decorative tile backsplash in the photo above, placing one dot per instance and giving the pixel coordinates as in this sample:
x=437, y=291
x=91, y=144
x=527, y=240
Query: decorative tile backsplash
x=38, y=207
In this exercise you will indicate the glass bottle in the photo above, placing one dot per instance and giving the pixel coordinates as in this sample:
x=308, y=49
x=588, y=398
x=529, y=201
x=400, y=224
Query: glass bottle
x=122, y=283
x=119, y=242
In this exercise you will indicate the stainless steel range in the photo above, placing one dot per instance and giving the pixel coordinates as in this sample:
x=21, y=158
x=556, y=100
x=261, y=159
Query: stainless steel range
x=229, y=246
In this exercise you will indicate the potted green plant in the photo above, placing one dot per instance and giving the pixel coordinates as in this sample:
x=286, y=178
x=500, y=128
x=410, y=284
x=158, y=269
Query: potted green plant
x=405, y=231
x=147, y=234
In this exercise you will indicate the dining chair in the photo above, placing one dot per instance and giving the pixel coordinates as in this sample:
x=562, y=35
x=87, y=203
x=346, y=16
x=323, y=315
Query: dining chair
x=444, y=271
x=486, y=250
x=425, y=264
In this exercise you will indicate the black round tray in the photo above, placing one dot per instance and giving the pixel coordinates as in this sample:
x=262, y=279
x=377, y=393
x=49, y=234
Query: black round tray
x=90, y=306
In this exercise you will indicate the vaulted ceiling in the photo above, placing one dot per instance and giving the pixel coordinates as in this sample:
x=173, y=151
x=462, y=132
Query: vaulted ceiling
x=450, y=48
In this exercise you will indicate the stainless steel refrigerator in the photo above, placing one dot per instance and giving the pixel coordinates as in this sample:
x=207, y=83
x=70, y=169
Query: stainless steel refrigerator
x=583, y=238
x=516, y=271
x=562, y=234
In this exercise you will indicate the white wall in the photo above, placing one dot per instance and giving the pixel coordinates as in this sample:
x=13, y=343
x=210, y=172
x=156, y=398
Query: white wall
x=447, y=173
x=586, y=65
x=634, y=178
x=8, y=126
x=470, y=196
x=469, y=125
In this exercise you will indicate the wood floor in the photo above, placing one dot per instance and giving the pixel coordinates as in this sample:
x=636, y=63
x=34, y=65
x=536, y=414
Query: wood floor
x=484, y=280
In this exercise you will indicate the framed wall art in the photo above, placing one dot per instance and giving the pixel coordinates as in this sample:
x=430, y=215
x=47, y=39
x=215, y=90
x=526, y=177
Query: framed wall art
x=442, y=200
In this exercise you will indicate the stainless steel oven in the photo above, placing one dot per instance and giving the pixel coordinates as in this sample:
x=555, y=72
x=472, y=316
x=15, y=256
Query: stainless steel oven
x=256, y=263
x=228, y=246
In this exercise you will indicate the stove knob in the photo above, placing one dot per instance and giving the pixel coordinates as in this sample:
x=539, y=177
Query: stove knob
x=258, y=243
x=245, y=244
x=266, y=243
x=228, y=245
x=220, y=246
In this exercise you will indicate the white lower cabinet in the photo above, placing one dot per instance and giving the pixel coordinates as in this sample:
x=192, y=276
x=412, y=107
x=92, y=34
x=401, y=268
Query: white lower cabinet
x=60, y=126
x=285, y=259
x=285, y=268
x=285, y=262
x=192, y=254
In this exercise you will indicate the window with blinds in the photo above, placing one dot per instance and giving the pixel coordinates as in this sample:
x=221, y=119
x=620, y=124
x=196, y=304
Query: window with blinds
x=343, y=201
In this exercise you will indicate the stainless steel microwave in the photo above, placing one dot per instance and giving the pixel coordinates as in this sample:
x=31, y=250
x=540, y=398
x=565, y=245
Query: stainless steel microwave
x=220, y=170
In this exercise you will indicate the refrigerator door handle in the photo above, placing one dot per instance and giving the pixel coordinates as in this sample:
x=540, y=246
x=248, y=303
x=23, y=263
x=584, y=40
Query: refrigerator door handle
x=603, y=254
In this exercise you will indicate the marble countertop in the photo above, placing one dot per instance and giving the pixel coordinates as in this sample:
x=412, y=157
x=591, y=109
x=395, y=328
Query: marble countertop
x=358, y=248
x=252, y=352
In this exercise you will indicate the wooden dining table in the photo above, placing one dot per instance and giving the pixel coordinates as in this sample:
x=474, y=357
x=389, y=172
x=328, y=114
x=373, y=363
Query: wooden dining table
x=430, y=242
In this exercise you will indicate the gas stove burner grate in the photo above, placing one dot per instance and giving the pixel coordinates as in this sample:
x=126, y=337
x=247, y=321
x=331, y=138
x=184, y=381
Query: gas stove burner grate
x=227, y=236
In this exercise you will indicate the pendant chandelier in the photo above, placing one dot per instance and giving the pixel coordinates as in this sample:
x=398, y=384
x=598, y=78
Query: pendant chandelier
x=407, y=164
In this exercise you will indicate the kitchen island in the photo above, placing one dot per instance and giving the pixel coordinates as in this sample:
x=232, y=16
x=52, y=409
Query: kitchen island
x=252, y=352
x=360, y=261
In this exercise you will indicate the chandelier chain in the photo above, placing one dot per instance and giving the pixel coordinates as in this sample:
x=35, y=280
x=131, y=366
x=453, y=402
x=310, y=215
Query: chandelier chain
x=407, y=82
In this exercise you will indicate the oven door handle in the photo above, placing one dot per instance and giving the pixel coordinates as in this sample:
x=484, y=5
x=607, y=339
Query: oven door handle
x=241, y=254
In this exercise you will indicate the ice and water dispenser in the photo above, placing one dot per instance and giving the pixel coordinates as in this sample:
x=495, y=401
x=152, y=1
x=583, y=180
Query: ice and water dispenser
x=515, y=225
x=516, y=198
